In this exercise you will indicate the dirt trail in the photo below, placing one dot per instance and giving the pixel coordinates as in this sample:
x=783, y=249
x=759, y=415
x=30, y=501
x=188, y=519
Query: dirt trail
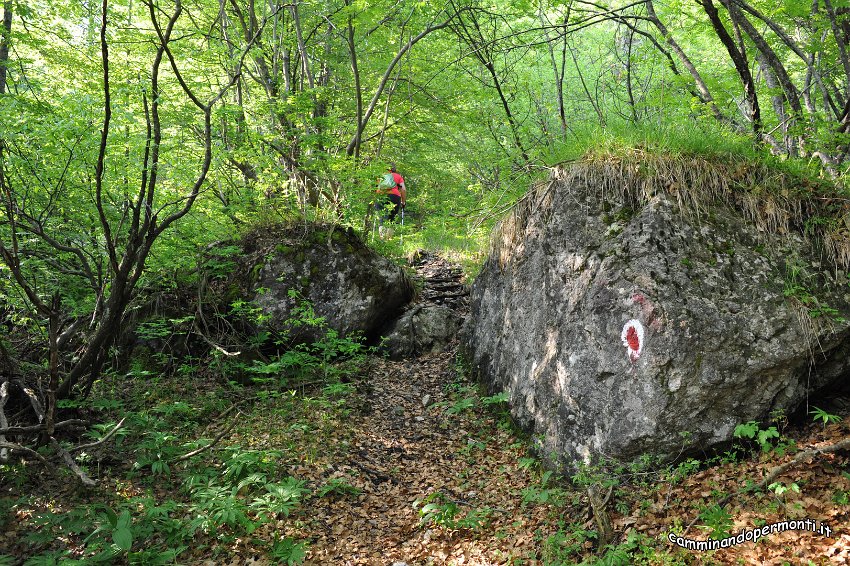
x=412, y=437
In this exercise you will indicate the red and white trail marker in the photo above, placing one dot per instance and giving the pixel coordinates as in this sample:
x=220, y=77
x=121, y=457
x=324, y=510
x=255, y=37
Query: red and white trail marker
x=632, y=337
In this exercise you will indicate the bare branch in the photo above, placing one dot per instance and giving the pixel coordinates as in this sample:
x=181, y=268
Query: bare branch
x=388, y=73
x=102, y=440
x=28, y=430
x=213, y=344
x=69, y=461
x=206, y=447
x=23, y=449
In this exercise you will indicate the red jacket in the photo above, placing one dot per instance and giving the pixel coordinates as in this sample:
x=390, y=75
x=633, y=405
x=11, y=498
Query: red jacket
x=398, y=181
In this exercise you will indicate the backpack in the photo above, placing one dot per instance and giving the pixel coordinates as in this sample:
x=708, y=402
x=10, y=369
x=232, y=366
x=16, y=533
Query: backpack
x=388, y=182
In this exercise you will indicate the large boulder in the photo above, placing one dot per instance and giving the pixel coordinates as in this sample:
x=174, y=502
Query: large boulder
x=424, y=329
x=352, y=287
x=631, y=310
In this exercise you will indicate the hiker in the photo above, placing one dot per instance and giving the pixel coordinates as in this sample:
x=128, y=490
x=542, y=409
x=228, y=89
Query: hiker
x=392, y=185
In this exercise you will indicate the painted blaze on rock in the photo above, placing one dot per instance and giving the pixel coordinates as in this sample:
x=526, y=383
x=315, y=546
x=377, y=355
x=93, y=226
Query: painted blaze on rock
x=632, y=337
x=572, y=271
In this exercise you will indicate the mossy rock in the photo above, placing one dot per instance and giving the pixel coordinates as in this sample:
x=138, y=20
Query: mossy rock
x=355, y=289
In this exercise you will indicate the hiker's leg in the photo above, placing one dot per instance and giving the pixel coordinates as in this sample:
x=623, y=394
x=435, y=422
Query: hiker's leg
x=395, y=203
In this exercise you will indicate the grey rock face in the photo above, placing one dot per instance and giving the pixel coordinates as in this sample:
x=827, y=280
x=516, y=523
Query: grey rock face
x=355, y=289
x=421, y=330
x=615, y=331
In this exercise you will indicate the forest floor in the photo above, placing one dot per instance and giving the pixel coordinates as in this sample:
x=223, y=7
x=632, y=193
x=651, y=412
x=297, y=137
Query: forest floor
x=401, y=462
x=492, y=504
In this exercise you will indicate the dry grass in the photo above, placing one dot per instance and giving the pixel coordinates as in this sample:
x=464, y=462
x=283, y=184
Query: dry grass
x=773, y=201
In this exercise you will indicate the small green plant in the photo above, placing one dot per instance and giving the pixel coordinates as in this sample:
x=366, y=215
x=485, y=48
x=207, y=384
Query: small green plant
x=112, y=537
x=336, y=394
x=499, y=403
x=820, y=309
x=765, y=435
x=684, y=469
x=780, y=488
x=566, y=544
x=338, y=487
x=751, y=430
x=746, y=430
x=528, y=464
x=472, y=445
x=241, y=463
x=439, y=509
x=217, y=506
x=779, y=418
x=542, y=494
x=819, y=414
x=119, y=528
x=174, y=409
x=155, y=451
x=280, y=498
x=460, y=406
x=717, y=520
x=497, y=399
x=636, y=549
x=587, y=475
x=249, y=310
x=796, y=288
x=289, y=551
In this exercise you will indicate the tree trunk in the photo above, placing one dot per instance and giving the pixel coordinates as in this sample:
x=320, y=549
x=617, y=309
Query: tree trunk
x=4, y=44
x=839, y=40
x=507, y=108
x=740, y=62
x=790, y=91
x=302, y=49
x=358, y=91
x=705, y=93
x=558, y=72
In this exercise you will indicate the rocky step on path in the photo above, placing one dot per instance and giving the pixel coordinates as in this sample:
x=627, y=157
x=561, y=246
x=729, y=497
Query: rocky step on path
x=432, y=321
x=442, y=281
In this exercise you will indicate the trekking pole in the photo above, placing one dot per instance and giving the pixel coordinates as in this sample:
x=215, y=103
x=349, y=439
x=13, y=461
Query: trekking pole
x=401, y=236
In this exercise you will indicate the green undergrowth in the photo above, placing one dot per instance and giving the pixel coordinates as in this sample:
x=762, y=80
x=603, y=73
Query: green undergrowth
x=563, y=536
x=461, y=240
x=201, y=463
x=160, y=507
